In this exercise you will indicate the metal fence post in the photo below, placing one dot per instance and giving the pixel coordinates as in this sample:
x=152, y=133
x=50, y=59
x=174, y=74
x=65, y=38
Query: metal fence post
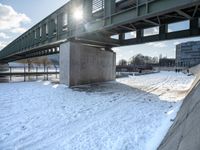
x=10, y=73
x=56, y=73
x=44, y=71
x=24, y=73
x=36, y=73
x=47, y=73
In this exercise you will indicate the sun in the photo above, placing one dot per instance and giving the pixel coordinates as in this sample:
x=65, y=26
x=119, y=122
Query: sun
x=78, y=14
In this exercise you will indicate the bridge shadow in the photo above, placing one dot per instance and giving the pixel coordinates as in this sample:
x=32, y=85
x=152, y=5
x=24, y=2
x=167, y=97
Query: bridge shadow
x=158, y=91
x=120, y=91
x=103, y=87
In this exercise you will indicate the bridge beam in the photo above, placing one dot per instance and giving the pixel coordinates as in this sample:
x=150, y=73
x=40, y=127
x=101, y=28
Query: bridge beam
x=98, y=39
x=194, y=30
x=81, y=64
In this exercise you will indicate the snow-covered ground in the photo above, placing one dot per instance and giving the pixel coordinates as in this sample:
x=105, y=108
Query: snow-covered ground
x=132, y=113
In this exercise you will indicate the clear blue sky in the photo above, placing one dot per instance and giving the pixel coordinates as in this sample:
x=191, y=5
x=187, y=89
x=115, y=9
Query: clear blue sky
x=29, y=12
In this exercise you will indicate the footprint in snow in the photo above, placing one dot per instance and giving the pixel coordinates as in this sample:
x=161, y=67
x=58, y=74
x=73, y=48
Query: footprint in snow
x=23, y=128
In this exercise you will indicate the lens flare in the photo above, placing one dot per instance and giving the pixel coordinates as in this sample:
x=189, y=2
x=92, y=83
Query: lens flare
x=78, y=14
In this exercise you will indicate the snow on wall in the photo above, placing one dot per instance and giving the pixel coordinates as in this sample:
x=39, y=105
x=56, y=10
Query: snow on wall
x=184, y=134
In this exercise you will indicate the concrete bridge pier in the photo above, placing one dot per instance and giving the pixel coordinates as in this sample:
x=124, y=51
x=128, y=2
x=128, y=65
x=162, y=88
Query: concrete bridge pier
x=82, y=64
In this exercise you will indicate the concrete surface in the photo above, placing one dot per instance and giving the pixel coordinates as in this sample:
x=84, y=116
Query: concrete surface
x=64, y=63
x=184, y=134
x=81, y=64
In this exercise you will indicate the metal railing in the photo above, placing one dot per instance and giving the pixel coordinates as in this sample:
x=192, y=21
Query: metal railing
x=25, y=73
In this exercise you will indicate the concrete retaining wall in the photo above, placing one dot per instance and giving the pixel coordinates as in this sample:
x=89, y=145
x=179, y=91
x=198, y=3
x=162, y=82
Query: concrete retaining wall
x=184, y=134
x=81, y=64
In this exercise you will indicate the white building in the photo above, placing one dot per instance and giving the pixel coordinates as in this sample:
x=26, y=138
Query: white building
x=188, y=54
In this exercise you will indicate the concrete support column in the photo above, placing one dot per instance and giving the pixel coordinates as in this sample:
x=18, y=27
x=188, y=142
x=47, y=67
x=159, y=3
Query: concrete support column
x=81, y=64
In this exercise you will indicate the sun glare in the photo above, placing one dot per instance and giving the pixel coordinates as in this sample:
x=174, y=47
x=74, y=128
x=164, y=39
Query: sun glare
x=78, y=14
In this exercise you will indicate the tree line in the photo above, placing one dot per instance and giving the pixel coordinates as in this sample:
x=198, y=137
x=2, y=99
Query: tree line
x=139, y=59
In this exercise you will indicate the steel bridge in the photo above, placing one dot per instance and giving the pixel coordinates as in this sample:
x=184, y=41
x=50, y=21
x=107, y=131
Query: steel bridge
x=101, y=20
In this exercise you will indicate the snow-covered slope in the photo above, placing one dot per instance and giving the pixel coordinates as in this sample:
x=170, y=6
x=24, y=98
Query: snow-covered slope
x=130, y=114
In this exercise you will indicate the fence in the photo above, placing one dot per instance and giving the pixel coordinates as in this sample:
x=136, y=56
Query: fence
x=26, y=74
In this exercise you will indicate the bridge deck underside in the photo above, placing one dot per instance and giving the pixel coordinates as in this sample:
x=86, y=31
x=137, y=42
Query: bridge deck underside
x=161, y=21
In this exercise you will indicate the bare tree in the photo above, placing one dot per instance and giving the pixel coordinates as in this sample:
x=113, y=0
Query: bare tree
x=122, y=62
x=139, y=59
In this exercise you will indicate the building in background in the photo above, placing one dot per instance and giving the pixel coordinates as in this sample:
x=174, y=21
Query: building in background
x=167, y=62
x=188, y=54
